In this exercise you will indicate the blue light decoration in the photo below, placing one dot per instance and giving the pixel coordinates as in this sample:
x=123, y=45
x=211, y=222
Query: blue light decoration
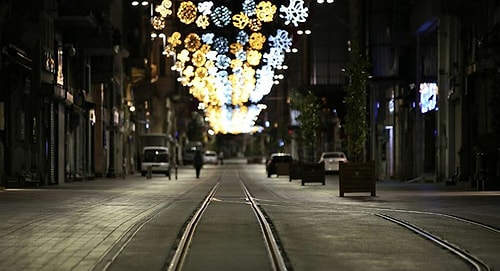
x=230, y=64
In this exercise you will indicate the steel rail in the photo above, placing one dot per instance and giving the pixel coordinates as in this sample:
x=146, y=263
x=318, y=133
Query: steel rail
x=273, y=248
x=177, y=261
x=473, y=261
x=454, y=217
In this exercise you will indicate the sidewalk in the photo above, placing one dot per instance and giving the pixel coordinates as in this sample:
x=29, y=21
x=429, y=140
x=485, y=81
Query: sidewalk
x=72, y=225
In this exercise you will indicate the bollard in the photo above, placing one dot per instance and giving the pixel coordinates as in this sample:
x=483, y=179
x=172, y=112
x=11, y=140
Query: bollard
x=176, y=172
x=149, y=174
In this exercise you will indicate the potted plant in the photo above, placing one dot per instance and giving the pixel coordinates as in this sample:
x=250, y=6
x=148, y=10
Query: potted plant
x=307, y=104
x=357, y=175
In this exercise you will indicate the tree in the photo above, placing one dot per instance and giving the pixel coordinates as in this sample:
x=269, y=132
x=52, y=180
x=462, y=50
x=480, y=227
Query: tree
x=195, y=129
x=356, y=126
x=309, y=118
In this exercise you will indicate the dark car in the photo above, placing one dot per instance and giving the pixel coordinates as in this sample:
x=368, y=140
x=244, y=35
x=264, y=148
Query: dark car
x=277, y=158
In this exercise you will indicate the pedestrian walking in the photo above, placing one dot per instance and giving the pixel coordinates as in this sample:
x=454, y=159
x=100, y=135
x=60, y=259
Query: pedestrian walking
x=198, y=163
x=221, y=157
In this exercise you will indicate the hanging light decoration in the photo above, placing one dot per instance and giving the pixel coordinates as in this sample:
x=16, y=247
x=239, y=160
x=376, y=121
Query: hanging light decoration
x=228, y=53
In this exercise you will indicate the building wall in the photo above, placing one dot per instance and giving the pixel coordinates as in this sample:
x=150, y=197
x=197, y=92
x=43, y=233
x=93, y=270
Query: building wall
x=45, y=124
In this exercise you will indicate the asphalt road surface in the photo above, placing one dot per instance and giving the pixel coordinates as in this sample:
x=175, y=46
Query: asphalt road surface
x=137, y=223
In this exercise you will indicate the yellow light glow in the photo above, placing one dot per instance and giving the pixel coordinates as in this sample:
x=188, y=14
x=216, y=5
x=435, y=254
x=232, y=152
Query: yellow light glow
x=265, y=11
x=253, y=57
x=255, y=24
x=192, y=42
x=235, y=47
x=257, y=40
x=240, y=20
x=203, y=21
x=158, y=22
x=187, y=12
x=198, y=59
x=175, y=39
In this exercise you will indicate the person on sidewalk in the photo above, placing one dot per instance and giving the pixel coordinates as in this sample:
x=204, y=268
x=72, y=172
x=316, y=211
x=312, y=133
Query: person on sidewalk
x=198, y=163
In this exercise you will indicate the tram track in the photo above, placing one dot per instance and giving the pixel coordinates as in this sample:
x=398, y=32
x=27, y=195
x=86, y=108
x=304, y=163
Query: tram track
x=182, y=248
x=274, y=249
x=470, y=259
x=449, y=216
x=462, y=253
x=435, y=232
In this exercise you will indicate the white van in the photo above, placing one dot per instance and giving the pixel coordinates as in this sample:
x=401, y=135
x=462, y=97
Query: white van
x=156, y=158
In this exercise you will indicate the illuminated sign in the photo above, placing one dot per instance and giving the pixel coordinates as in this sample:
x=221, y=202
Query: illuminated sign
x=428, y=97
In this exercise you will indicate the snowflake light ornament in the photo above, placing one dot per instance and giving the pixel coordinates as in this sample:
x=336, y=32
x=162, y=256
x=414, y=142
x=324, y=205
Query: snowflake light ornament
x=295, y=13
x=221, y=45
x=205, y=8
x=241, y=55
x=242, y=37
x=281, y=40
x=223, y=62
x=221, y=16
x=208, y=38
x=212, y=55
x=274, y=58
x=249, y=8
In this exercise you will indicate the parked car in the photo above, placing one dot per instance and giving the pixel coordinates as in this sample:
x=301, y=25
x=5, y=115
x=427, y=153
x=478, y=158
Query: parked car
x=156, y=158
x=274, y=159
x=332, y=160
x=210, y=157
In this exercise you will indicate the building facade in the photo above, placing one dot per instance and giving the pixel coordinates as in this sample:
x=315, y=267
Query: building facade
x=434, y=89
x=61, y=88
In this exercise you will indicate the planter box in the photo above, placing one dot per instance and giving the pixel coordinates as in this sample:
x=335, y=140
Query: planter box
x=313, y=173
x=357, y=177
x=255, y=160
x=282, y=169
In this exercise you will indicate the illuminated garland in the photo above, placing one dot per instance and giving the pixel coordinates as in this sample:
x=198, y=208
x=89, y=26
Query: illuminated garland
x=229, y=61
